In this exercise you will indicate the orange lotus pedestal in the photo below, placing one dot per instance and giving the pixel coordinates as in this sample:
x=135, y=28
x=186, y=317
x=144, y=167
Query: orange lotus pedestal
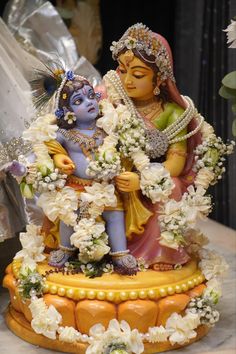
x=145, y=300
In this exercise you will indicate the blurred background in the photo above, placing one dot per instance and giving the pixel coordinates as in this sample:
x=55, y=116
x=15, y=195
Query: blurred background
x=82, y=32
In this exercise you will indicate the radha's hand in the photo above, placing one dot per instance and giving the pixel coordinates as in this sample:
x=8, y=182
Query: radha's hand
x=127, y=182
x=64, y=163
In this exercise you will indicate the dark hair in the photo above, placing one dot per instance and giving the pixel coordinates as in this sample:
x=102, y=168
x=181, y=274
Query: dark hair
x=164, y=94
x=69, y=88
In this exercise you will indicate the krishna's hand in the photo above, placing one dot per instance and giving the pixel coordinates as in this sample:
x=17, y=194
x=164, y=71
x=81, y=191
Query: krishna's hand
x=64, y=163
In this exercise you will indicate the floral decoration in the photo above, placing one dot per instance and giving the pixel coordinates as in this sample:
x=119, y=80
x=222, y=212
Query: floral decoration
x=70, y=117
x=60, y=204
x=32, y=244
x=45, y=320
x=91, y=240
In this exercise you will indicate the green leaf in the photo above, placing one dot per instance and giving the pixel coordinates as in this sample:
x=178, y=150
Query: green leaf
x=227, y=93
x=234, y=127
x=230, y=80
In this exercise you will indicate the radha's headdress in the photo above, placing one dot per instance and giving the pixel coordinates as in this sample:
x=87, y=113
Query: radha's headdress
x=142, y=39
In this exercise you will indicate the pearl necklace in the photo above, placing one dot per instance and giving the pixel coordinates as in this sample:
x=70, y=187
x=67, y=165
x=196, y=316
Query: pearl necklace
x=176, y=127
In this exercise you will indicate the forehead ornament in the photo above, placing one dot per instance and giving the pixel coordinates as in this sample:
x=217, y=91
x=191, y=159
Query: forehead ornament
x=128, y=57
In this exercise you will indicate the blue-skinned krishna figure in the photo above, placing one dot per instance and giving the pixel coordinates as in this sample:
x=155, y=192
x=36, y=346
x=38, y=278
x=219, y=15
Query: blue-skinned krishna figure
x=77, y=111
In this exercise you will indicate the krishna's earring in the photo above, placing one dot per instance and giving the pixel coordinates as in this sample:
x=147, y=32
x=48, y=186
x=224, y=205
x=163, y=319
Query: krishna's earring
x=156, y=91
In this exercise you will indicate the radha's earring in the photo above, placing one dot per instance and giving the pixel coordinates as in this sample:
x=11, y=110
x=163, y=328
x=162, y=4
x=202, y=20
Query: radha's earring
x=156, y=91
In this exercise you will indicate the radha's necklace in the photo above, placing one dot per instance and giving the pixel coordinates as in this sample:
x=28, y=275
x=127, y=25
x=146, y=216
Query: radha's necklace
x=149, y=108
x=88, y=144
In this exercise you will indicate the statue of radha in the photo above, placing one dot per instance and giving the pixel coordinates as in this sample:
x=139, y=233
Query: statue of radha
x=145, y=83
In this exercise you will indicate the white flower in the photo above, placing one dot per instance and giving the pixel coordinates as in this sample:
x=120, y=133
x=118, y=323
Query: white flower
x=94, y=210
x=231, y=34
x=43, y=129
x=212, y=264
x=60, y=204
x=156, y=183
x=140, y=160
x=213, y=290
x=194, y=240
x=207, y=130
x=181, y=329
x=110, y=118
x=28, y=265
x=38, y=306
x=43, y=159
x=47, y=322
x=157, y=334
x=116, y=333
x=204, y=177
x=101, y=194
x=196, y=204
x=169, y=239
x=94, y=253
x=32, y=245
x=68, y=334
x=70, y=117
x=84, y=229
x=91, y=239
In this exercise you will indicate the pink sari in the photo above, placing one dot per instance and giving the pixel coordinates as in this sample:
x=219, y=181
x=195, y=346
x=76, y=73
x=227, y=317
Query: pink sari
x=147, y=246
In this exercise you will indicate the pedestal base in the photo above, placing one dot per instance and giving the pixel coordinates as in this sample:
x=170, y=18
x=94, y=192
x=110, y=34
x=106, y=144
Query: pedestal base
x=21, y=327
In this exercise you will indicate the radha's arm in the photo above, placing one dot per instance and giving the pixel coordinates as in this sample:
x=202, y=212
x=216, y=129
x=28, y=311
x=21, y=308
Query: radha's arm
x=177, y=152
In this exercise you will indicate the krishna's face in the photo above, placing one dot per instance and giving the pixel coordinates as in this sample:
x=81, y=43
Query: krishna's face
x=136, y=76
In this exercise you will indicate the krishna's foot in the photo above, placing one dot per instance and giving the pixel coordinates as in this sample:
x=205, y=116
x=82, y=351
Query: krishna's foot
x=124, y=263
x=59, y=257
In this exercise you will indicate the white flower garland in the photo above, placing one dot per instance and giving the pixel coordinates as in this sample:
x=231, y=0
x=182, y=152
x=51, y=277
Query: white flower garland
x=178, y=217
x=209, y=157
x=127, y=138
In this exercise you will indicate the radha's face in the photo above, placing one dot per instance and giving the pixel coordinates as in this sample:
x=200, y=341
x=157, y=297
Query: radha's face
x=136, y=77
x=84, y=104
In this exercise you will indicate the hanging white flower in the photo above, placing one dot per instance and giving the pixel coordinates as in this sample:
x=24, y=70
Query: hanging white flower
x=60, y=204
x=204, y=177
x=157, y=334
x=101, y=194
x=45, y=320
x=196, y=204
x=110, y=118
x=207, y=130
x=181, y=329
x=32, y=245
x=212, y=264
x=84, y=228
x=28, y=265
x=43, y=159
x=116, y=333
x=42, y=129
x=213, y=290
x=171, y=239
x=68, y=334
x=156, y=183
x=141, y=160
x=91, y=240
x=195, y=240
x=231, y=34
